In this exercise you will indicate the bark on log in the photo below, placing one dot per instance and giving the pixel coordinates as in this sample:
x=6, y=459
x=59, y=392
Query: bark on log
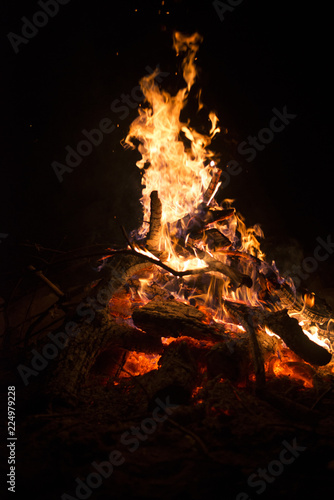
x=94, y=330
x=74, y=362
x=174, y=319
x=319, y=313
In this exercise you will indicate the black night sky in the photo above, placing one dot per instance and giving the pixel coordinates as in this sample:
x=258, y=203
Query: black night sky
x=66, y=77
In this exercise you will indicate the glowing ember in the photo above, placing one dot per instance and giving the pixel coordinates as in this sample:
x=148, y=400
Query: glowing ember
x=138, y=363
x=290, y=366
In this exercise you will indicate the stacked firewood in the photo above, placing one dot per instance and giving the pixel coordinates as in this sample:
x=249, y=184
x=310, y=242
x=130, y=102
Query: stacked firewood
x=239, y=344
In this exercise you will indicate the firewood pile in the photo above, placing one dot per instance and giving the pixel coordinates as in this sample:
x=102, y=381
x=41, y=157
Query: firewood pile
x=134, y=342
x=193, y=277
x=140, y=311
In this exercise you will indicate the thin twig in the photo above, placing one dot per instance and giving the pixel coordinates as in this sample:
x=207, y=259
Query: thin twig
x=53, y=287
x=39, y=248
x=127, y=238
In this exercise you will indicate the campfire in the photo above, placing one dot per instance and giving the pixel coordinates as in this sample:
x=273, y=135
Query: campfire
x=192, y=297
x=179, y=362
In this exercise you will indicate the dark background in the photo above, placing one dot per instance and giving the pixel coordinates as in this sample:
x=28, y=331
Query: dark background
x=263, y=55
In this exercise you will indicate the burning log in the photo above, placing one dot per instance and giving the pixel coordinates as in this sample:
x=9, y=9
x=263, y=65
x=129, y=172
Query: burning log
x=78, y=357
x=213, y=264
x=231, y=359
x=99, y=331
x=88, y=343
x=175, y=319
x=291, y=332
x=287, y=328
x=311, y=307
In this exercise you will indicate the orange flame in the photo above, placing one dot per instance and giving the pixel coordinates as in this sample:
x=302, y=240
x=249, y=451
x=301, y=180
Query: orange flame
x=178, y=173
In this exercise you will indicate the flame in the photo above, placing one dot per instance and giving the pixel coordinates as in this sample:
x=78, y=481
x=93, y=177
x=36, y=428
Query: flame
x=313, y=334
x=178, y=172
x=190, y=45
x=309, y=299
x=270, y=332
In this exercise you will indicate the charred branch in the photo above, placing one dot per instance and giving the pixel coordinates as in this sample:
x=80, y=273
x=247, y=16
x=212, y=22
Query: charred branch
x=216, y=240
x=209, y=193
x=218, y=215
x=248, y=322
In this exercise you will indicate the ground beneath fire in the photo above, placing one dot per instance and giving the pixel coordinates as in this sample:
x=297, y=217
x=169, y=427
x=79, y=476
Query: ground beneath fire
x=208, y=446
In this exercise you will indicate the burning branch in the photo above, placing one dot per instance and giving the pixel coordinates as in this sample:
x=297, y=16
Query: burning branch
x=291, y=332
x=213, y=187
x=153, y=237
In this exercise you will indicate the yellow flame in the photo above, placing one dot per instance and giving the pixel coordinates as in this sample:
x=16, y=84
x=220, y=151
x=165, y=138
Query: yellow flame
x=313, y=334
x=177, y=172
